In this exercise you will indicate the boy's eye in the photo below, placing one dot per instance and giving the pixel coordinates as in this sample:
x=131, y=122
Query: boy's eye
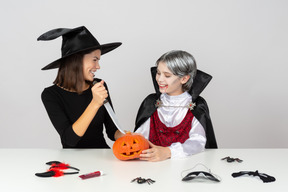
x=167, y=75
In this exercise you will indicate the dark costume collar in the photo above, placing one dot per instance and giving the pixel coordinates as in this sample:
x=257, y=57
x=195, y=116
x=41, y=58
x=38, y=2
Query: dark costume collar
x=200, y=82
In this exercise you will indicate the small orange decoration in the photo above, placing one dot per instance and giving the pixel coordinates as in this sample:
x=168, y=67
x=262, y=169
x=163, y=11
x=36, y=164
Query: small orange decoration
x=129, y=146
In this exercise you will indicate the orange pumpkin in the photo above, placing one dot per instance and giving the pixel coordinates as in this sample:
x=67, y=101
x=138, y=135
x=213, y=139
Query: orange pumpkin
x=129, y=146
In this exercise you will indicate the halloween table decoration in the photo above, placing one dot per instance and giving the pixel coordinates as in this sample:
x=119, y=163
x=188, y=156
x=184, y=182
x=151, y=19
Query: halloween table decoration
x=129, y=146
x=56, y=170
x=195, y=175
x=141, y=180
x=263, y=176
x=230, y=159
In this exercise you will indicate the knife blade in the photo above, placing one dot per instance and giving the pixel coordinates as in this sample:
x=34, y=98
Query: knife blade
x=112, y=115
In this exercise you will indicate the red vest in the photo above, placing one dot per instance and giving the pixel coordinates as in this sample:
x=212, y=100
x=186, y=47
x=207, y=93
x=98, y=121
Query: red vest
x=164, y=136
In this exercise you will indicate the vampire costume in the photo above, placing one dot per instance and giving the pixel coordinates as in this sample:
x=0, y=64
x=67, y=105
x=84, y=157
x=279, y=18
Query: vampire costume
x=198, y=108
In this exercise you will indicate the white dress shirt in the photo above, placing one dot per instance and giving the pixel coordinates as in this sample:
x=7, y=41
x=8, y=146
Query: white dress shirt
x=173, y=116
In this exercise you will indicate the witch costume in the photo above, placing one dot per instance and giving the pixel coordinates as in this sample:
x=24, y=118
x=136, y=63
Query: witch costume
x=180, y=122
x=65, y=107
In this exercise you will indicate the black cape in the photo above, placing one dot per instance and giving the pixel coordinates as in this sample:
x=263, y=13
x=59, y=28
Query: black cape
x=200, y=111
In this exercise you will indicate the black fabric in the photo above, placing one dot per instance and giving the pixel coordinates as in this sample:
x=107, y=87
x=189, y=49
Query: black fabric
x=64, y=108
x=74, y=41
x=264, y=177
x=201, y=111
x=202, y=174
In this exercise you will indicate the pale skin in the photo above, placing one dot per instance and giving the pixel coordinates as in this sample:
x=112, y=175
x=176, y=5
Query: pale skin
x=171, y=85
x=99, y=92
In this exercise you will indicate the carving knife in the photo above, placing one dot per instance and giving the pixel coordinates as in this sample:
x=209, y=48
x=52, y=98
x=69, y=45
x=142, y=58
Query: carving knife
x=111, y=113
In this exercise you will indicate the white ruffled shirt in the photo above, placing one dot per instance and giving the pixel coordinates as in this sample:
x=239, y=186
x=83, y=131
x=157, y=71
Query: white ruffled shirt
x=173, y=116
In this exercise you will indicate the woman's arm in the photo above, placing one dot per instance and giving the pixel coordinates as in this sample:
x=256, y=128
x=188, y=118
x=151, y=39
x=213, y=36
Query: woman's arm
x=61, y=122
x=70, y=133
x=99, y=95
x=118, y=134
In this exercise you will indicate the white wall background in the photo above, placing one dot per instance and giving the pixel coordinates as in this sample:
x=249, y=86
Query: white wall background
x=241, y=43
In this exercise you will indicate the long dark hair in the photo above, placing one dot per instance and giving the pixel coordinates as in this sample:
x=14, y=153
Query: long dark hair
x=70, y=73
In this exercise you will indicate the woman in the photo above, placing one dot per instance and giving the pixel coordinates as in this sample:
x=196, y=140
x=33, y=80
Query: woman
x=73, y=104
x=176, y=119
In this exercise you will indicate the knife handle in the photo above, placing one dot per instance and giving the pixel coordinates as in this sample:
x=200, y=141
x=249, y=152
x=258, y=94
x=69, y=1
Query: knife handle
x=94, y=82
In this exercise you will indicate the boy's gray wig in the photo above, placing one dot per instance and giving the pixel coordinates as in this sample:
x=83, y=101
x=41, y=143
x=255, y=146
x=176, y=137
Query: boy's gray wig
x=180, y=63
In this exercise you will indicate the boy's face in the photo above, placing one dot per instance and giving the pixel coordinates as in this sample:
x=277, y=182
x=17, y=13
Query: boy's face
x=168, y=82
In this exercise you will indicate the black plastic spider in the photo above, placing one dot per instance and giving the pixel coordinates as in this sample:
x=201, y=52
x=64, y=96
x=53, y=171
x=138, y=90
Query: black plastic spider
x=230, y=159
x=141, y=180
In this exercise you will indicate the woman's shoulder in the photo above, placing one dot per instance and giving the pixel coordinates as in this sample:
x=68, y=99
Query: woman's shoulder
x=55, y=91
x=50, y=90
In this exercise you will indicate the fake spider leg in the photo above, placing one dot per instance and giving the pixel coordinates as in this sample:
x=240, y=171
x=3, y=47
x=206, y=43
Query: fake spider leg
x=238, y=160
x=133, y=180
x=141, y=180
x=150, y=181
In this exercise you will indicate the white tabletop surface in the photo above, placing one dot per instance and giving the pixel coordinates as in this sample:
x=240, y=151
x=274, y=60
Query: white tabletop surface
x=18, y=168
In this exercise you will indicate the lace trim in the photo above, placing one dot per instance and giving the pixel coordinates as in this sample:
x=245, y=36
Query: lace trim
x=159, y=103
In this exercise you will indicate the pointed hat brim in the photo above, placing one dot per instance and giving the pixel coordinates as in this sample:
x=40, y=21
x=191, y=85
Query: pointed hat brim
x=105, y=48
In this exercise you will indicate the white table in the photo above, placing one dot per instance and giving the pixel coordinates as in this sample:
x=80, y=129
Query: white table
x=18, y=168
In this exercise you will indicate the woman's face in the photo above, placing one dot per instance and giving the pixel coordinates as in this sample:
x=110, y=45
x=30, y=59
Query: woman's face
x=167, y=81
x=91, y=64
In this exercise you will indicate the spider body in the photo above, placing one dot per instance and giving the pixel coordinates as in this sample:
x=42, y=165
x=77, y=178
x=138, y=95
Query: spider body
x=141, y=180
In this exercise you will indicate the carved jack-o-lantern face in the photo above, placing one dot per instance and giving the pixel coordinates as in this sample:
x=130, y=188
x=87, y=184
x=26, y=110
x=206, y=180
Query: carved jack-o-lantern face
x=129, y=146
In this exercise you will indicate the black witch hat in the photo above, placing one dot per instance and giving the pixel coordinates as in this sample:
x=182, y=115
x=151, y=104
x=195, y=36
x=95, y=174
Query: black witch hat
x=74, y=41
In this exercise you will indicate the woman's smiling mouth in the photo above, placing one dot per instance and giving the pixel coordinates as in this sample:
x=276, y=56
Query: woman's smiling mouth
x=92, y=72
